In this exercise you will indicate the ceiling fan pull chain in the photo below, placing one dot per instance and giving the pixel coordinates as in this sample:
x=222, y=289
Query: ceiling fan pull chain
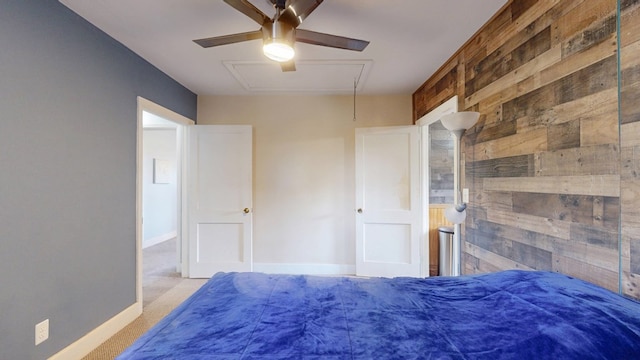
x=354, y=98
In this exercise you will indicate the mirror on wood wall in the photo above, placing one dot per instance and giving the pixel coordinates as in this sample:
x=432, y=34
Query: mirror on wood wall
x=441, y=147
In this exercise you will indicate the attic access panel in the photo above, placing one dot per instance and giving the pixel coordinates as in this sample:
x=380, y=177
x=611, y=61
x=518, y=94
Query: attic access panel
x=322, y=76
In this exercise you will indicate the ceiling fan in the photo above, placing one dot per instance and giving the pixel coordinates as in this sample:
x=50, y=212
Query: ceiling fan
x=280, y=33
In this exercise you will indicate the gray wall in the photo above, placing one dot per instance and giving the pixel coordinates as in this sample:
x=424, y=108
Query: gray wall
x=67, y=173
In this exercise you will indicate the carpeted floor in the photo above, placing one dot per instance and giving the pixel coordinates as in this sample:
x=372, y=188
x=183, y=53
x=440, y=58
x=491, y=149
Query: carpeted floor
x=163, y=290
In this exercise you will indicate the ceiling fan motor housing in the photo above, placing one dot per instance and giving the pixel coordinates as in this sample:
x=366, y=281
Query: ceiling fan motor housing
x=279, y=31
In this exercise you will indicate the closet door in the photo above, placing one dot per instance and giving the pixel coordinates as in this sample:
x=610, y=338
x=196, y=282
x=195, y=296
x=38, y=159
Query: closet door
x=219, y=198
x=388, y=210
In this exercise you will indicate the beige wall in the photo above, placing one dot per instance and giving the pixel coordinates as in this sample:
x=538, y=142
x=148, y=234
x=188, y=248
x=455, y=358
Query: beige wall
x=304, y=172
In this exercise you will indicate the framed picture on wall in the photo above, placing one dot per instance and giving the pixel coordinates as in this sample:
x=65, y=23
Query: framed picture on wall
x=161, y=171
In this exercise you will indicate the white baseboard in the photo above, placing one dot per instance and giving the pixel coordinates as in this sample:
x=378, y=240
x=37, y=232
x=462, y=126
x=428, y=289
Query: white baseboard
x=306, y=269
x=97, y=336
x=158, y=239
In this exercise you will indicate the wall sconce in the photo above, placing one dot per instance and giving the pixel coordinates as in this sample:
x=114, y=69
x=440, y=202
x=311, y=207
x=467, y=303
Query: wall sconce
x=457, y=123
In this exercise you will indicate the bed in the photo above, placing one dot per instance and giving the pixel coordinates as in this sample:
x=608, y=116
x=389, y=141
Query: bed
x=505, y=315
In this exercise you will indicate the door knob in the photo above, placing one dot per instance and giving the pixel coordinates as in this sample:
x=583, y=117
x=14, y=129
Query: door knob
x=246, y=210
x=359, y=211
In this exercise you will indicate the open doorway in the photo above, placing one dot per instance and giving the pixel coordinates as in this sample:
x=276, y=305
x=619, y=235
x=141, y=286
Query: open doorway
x=438, y=176
x=160, y=163
x=159, y=192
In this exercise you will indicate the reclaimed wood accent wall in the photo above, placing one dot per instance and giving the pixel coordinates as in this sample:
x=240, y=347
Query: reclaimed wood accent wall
x=551, y=179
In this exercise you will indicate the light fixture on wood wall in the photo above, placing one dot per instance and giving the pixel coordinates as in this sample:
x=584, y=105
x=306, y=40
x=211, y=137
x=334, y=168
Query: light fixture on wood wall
x=457, y=123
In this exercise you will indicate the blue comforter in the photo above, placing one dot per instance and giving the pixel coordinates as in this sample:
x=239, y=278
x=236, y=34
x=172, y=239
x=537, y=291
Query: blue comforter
x=504, y=315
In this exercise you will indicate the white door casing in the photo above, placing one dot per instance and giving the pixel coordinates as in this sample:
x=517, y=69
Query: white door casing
x=388, y=211
x=219, y=199
x=181, y=124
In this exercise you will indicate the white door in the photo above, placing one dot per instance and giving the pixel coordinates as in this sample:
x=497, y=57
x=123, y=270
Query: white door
x=219, y=199
x=388, y=201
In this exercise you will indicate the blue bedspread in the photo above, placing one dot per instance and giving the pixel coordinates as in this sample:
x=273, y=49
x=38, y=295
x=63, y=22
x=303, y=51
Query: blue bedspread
x=505, y=315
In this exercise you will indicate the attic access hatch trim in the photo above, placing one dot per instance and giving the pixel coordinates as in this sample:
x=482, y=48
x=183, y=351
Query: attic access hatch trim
x=319, y=76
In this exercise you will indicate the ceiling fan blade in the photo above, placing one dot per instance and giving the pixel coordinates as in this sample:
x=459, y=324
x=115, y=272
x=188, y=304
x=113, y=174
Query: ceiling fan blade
x=298, y=10
x=288, y=66
x=229, y=39
x=334, y=41
x=250, y=10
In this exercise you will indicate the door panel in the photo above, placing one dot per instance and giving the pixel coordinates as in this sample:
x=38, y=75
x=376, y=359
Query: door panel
x=219, y=198
x=390, y=243
x=388, y=201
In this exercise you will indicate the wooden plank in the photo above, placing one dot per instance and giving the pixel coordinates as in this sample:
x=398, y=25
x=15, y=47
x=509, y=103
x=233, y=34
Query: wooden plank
x=512, y=166
x=525, y=71
x=595, y=235
x=607, y=278
x=631, y=285
x=514, y=145
x=491, y=108
x=570, y=64
x=495, y=261
x=563, y=136
x=629, y=22
x=531, y=238
x=594, y=106
x=531, y=256
x=592, y=79
x=503, y=61
x=596, y=185
x=523, y=21
x=522, y=246
x=629, y=55
x=538, y=224
x=630, y=189
x=600, y=256
x=599, y=32
x=499, y=130
x=630, y=76
x=597, y=256
x=518, y=8
x=448, y=82
x=630, y=160
x=587, y=160
x=470, y=264
x=611, y=216
x=634, y=256
x=583, y=17
x=582, y=209
x=499, y=200
x=490, y=242
x=599, y=130
x=630, y=108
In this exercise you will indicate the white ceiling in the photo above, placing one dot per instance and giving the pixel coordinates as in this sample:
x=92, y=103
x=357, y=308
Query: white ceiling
x=410, y=40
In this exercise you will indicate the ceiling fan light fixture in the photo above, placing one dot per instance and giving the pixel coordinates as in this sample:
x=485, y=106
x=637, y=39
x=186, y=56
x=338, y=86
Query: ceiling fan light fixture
x=278, y=50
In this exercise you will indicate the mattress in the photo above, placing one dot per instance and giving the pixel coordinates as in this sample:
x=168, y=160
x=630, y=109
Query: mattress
x=504, y=315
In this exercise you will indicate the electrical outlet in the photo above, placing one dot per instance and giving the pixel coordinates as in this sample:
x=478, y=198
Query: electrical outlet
x=465, y=195
x=42, y=331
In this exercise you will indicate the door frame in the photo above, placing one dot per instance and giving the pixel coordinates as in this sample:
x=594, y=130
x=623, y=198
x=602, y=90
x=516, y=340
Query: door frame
x=181, y=123
x=448, y=107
